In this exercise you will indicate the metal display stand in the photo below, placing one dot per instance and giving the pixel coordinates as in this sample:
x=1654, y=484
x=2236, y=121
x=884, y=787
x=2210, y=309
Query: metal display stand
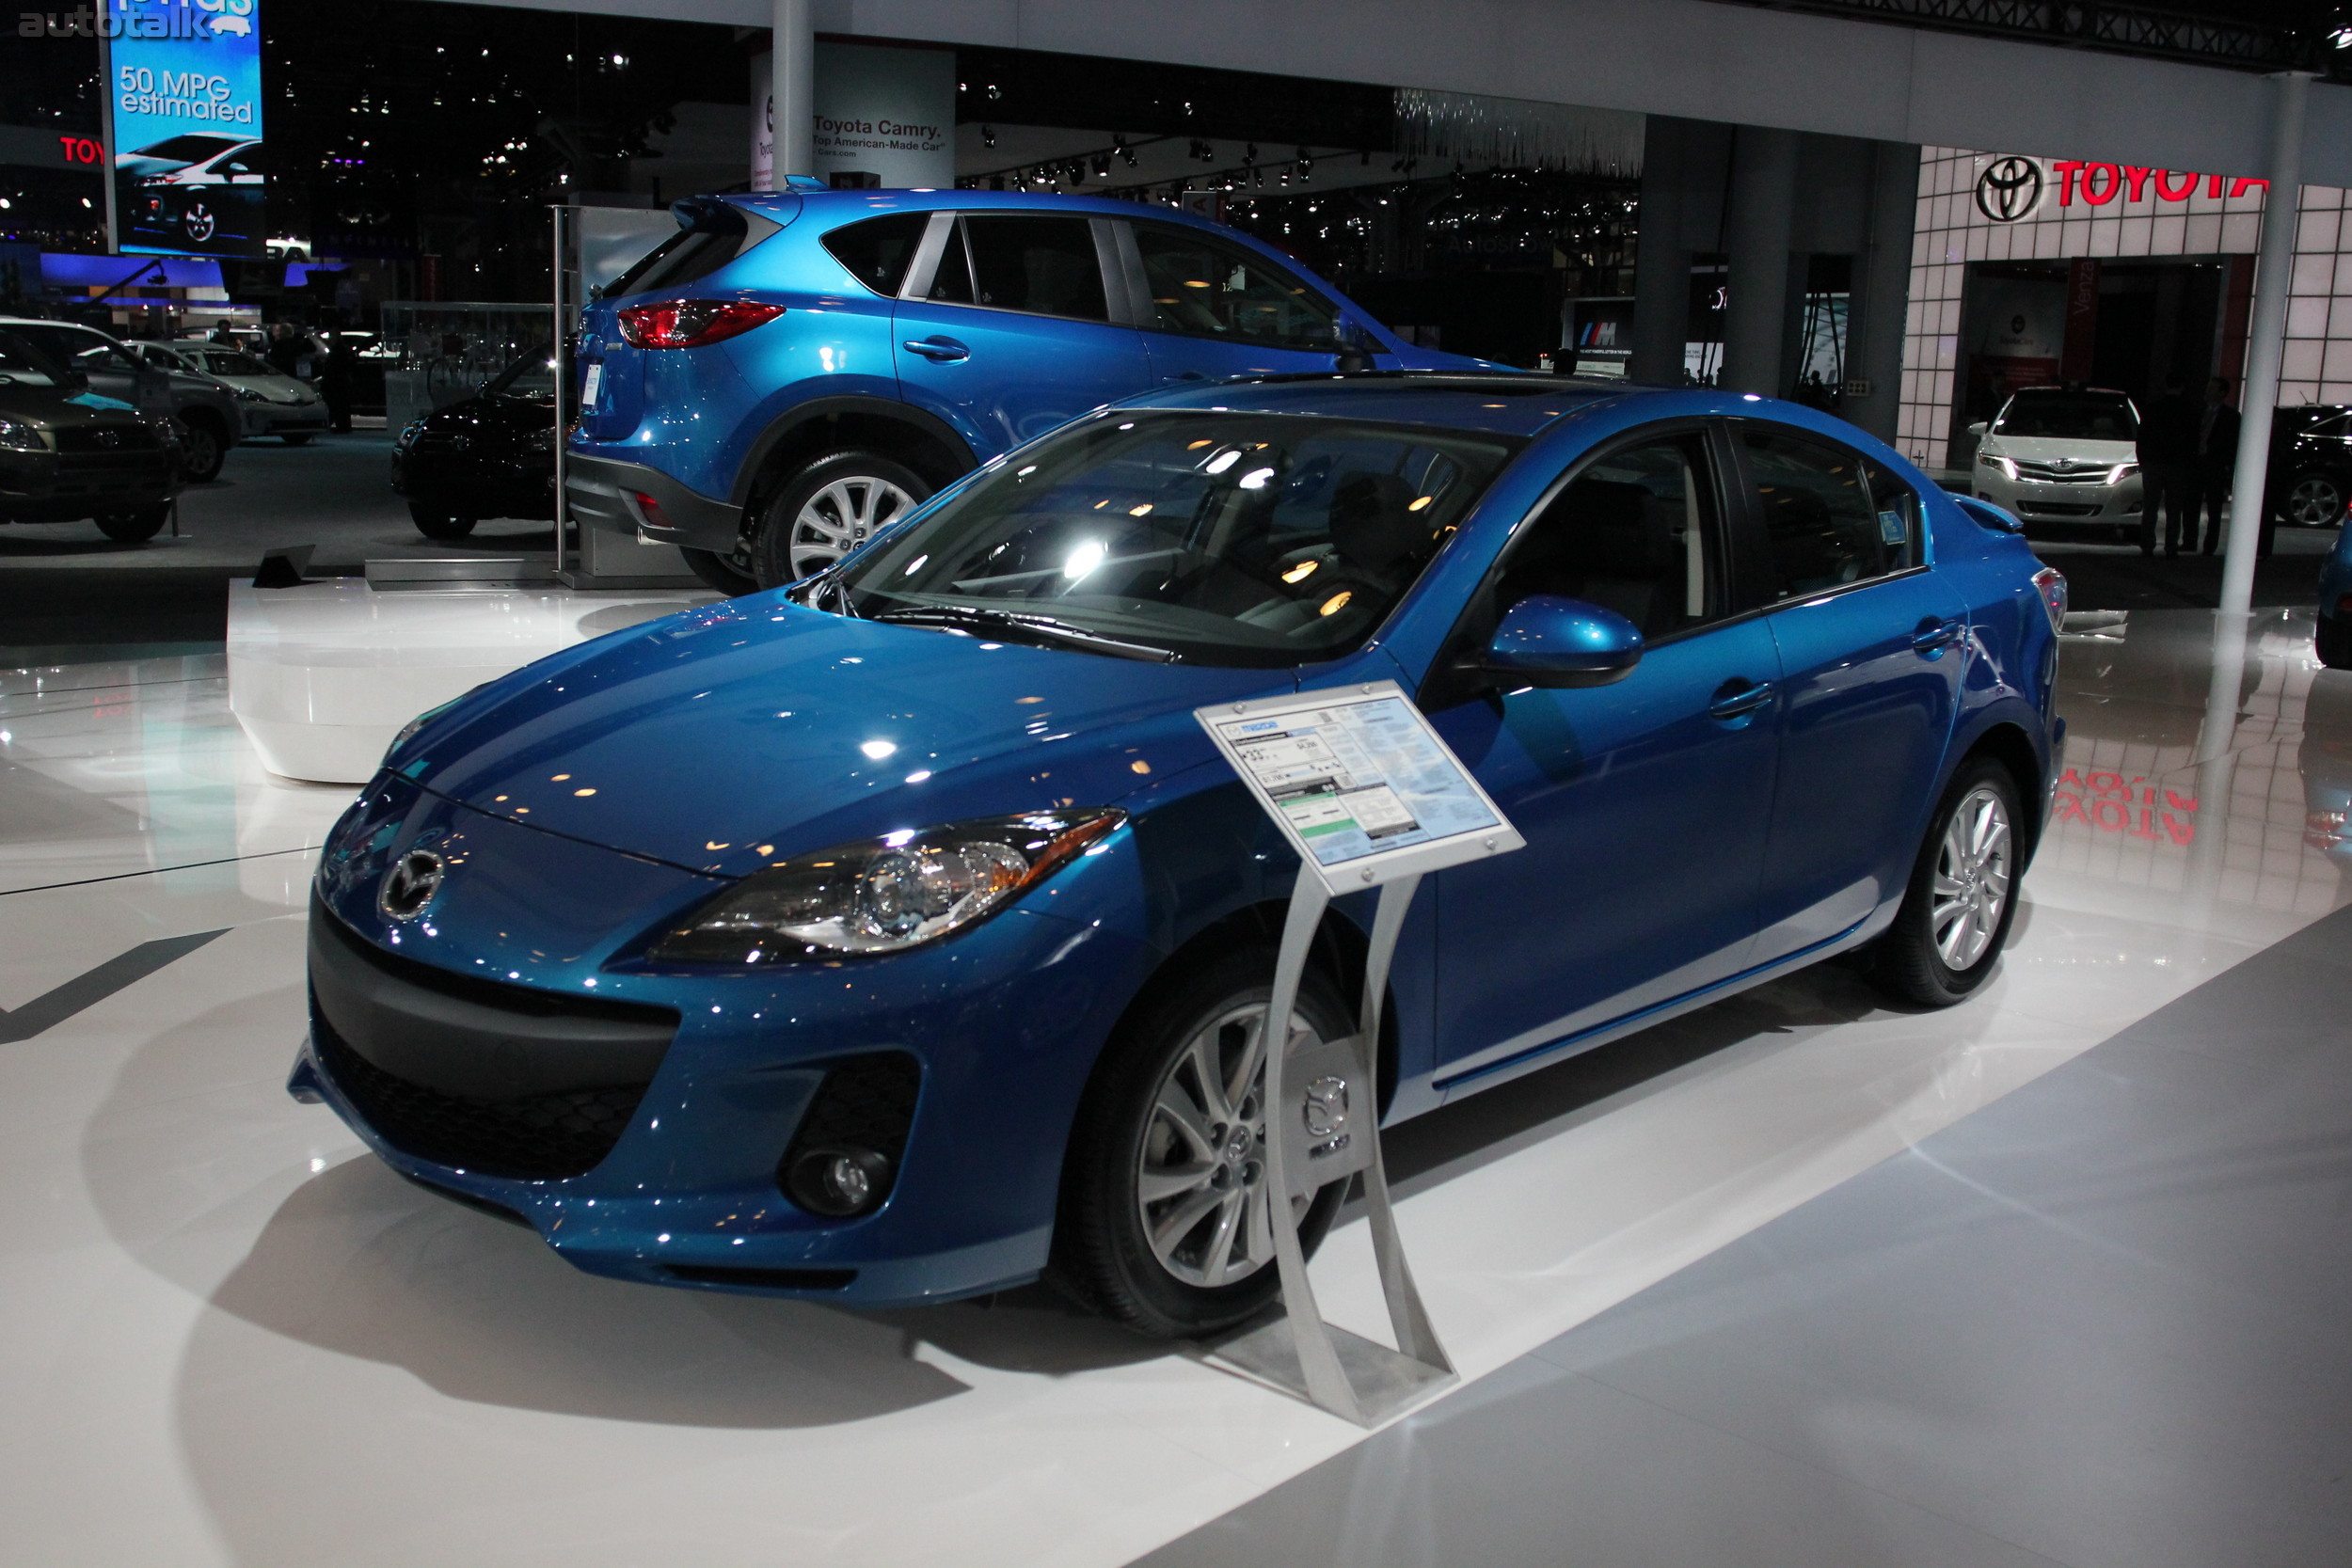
x=1327, y=1126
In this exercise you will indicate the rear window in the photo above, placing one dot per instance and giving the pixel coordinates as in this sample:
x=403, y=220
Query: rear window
x=718, y=237
x=2070, y=416
x=877, y=251
x=19, y=362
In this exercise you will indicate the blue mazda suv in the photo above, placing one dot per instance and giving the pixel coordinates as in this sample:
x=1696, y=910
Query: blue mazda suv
x=790, y=373
x=899, y=935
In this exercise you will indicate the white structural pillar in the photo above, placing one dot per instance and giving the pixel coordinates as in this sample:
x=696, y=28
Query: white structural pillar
x=794, y=40
x=2265, y=345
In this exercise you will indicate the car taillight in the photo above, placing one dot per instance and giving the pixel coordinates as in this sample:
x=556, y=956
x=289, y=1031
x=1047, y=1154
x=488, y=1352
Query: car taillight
x=2344, y=604
x=2051, y=583
x=2324, y=830
x=693, y=323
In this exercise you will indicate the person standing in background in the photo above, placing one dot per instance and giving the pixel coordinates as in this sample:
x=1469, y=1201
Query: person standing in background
x=2216, y=463
x=283, y=349
x=2168, y=468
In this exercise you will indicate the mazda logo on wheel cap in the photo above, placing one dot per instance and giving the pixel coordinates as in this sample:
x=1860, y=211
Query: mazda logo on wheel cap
x=2009, y=189
x=411, y=884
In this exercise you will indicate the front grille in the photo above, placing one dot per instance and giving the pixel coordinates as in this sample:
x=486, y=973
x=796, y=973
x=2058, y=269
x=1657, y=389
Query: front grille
x=2058, y=509
x=548, y=1138
x=2049, y=475
x=124, y=437
x=865, y=1103
x=441, y=441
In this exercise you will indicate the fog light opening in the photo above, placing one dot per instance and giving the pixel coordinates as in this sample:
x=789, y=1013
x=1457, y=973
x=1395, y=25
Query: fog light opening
x=839, y=1181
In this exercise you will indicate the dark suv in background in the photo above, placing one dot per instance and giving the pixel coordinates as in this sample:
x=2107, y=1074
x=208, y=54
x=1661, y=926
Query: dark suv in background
x=66, y=455
x=793, y=371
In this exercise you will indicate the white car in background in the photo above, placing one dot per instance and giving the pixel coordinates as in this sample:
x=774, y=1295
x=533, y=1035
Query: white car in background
x=270, y=402
x=2063, y=455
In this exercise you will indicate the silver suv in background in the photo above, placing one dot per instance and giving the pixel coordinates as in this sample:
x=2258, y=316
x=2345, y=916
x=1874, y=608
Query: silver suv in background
x=2063, y=455
x=210, y=421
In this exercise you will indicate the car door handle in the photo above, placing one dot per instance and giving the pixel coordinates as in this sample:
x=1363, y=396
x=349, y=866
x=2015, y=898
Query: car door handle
x=1932, y=636
x=938, y=350
x=1737, y=699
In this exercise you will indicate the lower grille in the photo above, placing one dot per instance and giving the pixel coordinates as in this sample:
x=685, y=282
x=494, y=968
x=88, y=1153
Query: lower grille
x=865, y=1102
x=2058, y=509
x=548, y=1138
x=761, y=1279
x=116, y=437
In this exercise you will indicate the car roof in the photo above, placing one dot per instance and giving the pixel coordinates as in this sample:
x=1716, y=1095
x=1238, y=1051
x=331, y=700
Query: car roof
x=834, y=208
x=1503, y=404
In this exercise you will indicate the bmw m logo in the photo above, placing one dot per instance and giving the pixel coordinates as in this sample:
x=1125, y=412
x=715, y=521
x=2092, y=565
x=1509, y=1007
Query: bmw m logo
x=411, y=884
x=2009, y=189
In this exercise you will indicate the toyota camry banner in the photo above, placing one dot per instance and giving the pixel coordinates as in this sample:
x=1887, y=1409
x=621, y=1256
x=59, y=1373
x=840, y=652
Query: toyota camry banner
x=183, y=108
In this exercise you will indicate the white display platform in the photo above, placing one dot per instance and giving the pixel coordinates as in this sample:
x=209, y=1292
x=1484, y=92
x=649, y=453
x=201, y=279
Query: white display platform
x=322, y=676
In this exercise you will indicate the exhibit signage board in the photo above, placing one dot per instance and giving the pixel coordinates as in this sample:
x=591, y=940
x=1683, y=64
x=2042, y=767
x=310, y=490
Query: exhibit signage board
x=184, y=118
x=1361, y=784
x=884, y=118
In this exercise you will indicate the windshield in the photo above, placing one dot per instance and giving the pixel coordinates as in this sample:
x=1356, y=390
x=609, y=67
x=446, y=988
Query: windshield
x=2077, y=415
x=224, y=361
x=24, y=364
x=532, y=375
x=194, y=148
x=1215, y=538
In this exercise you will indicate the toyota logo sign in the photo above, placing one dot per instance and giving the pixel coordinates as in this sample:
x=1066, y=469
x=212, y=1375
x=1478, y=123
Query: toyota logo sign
x=411, y=884
x=2009, y=189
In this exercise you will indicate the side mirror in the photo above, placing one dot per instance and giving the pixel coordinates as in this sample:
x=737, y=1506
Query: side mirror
x=1979, y=429
x=1550, y=642
x=1357, y=347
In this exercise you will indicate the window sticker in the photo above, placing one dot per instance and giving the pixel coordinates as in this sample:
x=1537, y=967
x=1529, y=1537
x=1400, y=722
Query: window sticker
x=1893, y=529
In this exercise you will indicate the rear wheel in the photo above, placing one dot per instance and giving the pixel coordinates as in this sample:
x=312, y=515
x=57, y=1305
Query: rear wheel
x=827, y=509
x=1947, y=938
x=134, y=527
x=2314, y=500
x=1166, y=1217
x=435, y=522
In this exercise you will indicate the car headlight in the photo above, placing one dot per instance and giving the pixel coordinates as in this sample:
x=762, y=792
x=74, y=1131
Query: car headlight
x=2001, y=465
x=541, y=440
x=409, y=435
x=16, y=436
x=883, y=894
x=246, y=394
x=2121, y=473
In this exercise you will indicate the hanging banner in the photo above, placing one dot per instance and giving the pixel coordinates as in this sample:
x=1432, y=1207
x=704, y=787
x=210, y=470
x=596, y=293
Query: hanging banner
x=183, y=115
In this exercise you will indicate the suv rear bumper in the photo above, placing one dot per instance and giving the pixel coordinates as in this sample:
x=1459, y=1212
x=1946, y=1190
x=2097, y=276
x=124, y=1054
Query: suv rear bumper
x=604, y=491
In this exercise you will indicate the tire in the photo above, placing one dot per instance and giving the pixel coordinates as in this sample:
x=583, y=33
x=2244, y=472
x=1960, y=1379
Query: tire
x=826, y=509
x=435, y=523
x=134, y=527
x=724, y=573
x=2334, y=643
x=296, y=440
x=1940, y=950
x=1103, y=1253
x=2314, y=500
x=206, y=449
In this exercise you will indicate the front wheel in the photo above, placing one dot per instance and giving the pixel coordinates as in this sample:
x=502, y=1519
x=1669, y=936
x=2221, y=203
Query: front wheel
x=1947, y=938
x=2314, y=500
x=438, y=523
x=828, y=508
x=204, y=449
x=1166, y=1216
x=730, y=574
x=134, y=527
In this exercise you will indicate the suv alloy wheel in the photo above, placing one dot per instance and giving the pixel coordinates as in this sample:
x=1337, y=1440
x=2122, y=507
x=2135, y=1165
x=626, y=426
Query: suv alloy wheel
x=830, y=507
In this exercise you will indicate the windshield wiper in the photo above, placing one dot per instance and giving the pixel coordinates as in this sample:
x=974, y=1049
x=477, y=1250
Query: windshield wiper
x=1016, y=627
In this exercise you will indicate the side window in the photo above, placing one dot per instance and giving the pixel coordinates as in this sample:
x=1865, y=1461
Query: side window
x=877, y=251
x=1821, y=530
x=1634, y=534
x=1205, y=289
x=1041, y=265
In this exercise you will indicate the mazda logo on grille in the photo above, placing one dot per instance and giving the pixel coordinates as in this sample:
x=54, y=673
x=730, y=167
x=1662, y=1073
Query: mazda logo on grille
x=2009, y=189
x=411, y=884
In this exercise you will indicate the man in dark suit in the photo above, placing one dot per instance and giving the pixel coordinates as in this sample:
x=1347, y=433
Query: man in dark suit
x=2216, y=464
x=2168, y=468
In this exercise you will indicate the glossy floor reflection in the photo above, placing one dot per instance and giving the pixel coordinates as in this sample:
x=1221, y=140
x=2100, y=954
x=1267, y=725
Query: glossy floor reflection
x=230, y=1339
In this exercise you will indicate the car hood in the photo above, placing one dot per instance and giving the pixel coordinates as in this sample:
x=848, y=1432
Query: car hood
x=63, y=405
x=728, y=737
x=2049, y=448
x=492, y=410
x=275, y=389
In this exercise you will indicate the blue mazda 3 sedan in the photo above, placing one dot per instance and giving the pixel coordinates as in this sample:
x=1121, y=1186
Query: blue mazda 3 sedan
x=900, y=936
x=792, y=372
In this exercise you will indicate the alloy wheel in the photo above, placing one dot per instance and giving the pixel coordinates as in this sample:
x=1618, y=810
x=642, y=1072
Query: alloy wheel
x=2315, y=501
x=1972, y=877
x=1202, y=1175
x=841, y=517
x=199, y=222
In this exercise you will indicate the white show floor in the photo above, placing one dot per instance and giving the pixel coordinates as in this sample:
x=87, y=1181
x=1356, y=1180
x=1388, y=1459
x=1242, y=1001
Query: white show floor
x=227, y=1336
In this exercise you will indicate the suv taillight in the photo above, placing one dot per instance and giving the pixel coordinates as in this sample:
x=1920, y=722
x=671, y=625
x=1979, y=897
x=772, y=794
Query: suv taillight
x=693, y=323
x=2051, y=582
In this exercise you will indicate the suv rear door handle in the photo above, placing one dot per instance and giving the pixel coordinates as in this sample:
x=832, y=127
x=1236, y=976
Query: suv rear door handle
x=1932, y=636
x=1737, y=699
x=938, y=350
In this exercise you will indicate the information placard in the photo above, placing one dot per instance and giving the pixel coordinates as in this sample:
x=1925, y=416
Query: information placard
x=1359, y=783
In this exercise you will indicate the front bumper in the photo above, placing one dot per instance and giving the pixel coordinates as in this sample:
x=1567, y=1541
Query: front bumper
x=472, y=487
x=2063, y=503
x=603, y=493
x=54, y=487
x=1002, y=1025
